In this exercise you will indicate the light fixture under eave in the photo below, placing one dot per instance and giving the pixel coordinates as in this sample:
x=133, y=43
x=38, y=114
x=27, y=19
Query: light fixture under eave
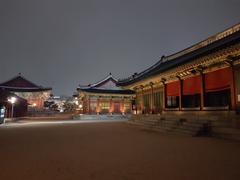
x=12, y=100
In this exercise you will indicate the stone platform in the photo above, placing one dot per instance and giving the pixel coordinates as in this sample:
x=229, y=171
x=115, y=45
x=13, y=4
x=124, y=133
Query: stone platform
x=218, y=124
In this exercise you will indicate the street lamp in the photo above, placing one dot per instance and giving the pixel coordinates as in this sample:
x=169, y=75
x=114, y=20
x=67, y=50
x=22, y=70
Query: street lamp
x=12, y=100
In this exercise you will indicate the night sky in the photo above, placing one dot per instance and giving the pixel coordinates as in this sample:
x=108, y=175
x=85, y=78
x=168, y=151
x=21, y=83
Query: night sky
x=63, y=43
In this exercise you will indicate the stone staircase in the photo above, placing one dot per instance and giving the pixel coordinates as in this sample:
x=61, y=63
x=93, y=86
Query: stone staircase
x=170, y=124
x=227, y=133
x=101, y=117
x=191, y=124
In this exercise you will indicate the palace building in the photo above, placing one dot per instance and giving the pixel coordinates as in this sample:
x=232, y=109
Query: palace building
x=203, y=77
x=104, y=97
x=23, y=88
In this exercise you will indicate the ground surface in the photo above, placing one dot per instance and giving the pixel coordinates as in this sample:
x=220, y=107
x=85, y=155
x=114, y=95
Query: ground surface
x=112, y=151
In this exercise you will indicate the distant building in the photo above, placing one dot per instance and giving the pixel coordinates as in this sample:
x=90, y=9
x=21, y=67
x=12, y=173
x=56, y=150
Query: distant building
x=104, y=97
x=34, y=94
x=60, y=103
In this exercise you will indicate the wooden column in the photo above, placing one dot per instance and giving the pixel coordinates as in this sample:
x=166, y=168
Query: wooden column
x=237, y=88
x=84, y=105
x=136, y=101
x=122, y=106
x=180, y=93
x=202, y=91
x=151, y=100
x=111, y=106
x=98, y=108
x=164, y=98
x=142, y=101
x=89, y=105
x=230, y=61
x=233, y=89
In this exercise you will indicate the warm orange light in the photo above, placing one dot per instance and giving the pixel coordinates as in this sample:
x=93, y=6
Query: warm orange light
x=123, y=110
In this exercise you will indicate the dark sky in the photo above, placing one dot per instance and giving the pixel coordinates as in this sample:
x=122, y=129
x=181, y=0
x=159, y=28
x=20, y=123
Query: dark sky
x=61, y=43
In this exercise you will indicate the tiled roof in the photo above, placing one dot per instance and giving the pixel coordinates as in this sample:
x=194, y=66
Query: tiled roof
x=108, y=82
x=19, y=83
x=106, y=86
x=108, y=91
x=217, y=42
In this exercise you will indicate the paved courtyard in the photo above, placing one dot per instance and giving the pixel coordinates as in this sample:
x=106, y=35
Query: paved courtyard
x=112, y=151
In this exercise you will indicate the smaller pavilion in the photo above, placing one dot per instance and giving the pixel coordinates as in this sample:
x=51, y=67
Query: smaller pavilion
x=105, y=97
x=23, y=88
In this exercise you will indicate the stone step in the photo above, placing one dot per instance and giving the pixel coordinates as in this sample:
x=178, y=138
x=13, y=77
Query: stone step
x=219, y=127
x=166, y=128
x=170, y=129
x=188, y=127
x=227, y=133
x=191, y=126
x=100, y=117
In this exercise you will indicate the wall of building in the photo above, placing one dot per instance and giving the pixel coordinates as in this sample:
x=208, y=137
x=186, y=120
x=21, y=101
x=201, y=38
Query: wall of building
x=237, y=81
x=205, y=91
x=149, y=100
x=92, y=104
x=35, y=99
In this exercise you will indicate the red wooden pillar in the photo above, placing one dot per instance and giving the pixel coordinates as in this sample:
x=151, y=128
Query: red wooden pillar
x=164, y=98
x=152, y=100
x=89, y=105
x=180, y=93
x=233, y=88
x=98, y=108
x=202, y=91
x=122, y=106
x=111, y=106
x=136, y=101
x=142, y=101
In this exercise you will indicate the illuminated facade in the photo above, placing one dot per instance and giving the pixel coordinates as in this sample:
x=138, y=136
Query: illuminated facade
x=203, y=77
x=104, y=97
x=34, y=94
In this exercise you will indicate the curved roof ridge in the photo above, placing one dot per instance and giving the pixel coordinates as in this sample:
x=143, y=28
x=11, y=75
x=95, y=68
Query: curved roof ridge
x=150, y=69
x=235, y=28
x=108, y=77
x=20, y=76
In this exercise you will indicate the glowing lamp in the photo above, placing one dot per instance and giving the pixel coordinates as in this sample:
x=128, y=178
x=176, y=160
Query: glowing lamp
x=12, y=100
